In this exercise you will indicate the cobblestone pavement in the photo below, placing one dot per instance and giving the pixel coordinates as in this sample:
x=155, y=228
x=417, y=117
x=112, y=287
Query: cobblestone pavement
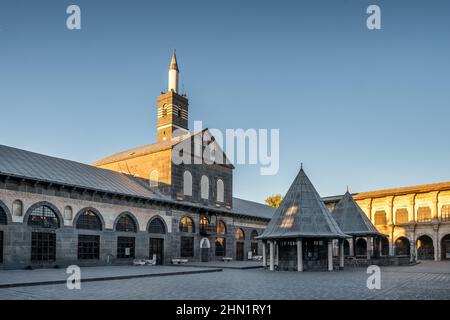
x=13, y=277
x=425, y=281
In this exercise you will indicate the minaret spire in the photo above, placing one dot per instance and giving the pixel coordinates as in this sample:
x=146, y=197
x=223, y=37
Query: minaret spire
x=173, y=73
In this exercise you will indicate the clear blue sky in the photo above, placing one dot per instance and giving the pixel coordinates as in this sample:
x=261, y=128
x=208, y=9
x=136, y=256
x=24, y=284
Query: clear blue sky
x=369, y=109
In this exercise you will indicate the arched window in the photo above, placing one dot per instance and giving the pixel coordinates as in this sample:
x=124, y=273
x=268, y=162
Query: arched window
x=445, y=212
x=423, y=214
x=89, y=220
x=68, y=213
x=43, y=217
x=204, y=225
x=220, y=190
x=239, y=235
x=380, y=218
x=187, y=225
x=221, y=228
x=3, y=218
x=401, y=216
x=253, y=235
x=154, y=177
x=17, y=208
x=156, y=226
x=126, y=224
x=204, y=187
x=187, y=183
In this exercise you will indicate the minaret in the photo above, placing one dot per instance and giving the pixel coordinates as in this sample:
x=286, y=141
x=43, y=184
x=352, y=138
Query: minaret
x=173, y=73
x=172, y=107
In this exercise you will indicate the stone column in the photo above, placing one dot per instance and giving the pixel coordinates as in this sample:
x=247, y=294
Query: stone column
x=391, y=243
x=341, y=254
x=351, y=247
x=369, y=247
x=380, y=246
x=264, y=254
x=330, y=255
x=271, y=257
x=277, y=251
x=299, y=255
x=436, y=244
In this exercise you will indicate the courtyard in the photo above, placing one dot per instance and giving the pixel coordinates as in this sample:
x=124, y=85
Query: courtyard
x=427, y=280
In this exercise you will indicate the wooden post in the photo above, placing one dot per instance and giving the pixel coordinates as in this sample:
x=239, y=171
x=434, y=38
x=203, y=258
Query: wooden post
x=330, y=255
x=299, y=256
x=271, y=255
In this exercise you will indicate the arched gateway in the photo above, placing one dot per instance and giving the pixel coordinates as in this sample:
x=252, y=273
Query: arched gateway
x=301, y=232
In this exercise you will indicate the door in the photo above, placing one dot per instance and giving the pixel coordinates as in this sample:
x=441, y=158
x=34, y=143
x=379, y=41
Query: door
x=157, y=247
x=240, y=251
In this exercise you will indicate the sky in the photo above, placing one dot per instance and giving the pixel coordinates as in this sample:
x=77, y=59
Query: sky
x=358, y=107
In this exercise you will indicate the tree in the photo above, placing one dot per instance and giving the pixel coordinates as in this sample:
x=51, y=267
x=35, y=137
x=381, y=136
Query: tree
x=274, y=200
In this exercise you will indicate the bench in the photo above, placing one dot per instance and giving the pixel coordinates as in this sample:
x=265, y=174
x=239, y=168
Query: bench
x=139, y=262
x=179, y=261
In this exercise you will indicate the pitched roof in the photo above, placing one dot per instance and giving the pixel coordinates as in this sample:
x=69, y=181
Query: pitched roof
x=29, y=165
x=26, y=164
x=160, y=146
x=302, y=213
x=351, y=219
x=144, y=150
x=256, y=209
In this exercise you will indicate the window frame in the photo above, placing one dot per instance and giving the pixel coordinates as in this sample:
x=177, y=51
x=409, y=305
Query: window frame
x=88, y=247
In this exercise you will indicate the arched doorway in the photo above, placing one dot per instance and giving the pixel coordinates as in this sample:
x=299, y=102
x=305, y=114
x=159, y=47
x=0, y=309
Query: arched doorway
x=425, y=249
x=239, y=236
x=361, y=247
x=204, y=249
x=384, y=246
x=402, y=247
x=346, y=248
x=445, y=247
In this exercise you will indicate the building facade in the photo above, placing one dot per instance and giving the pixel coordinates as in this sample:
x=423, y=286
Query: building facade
x=416, y=218
x=134, y=204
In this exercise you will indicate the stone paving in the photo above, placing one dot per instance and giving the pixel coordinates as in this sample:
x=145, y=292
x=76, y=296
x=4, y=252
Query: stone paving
x=228, y=264
x=33, y=277
x=425, y=281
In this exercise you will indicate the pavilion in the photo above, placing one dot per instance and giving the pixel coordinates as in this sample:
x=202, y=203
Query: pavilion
x=366, y=239
x=301, y=232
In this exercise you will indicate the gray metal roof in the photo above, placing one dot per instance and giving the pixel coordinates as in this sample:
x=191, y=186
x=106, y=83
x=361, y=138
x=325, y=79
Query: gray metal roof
x=29, y=165
x=26, y=164
x=302, y=213
x=252, y=208
x=351, y=219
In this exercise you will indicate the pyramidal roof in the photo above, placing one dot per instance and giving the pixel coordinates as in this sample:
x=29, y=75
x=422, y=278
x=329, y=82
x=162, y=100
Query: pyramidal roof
x=351, y=219
x=302, y=214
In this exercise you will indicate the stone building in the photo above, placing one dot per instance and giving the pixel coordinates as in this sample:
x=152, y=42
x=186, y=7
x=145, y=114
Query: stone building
x=416, y=218
x=134, y=204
